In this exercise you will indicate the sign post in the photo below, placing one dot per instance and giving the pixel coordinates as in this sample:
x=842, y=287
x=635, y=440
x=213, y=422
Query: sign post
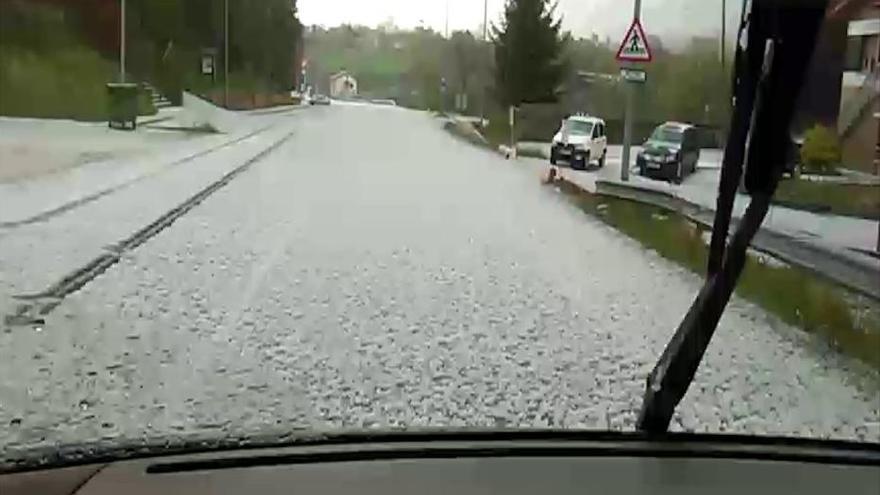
x=634, y=48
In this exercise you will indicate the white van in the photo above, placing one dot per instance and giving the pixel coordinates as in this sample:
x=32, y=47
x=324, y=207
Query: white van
x=580, y=140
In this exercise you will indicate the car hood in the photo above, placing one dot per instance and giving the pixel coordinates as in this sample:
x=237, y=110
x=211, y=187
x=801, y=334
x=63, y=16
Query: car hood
x=114, y=450
x=572, y=138
x=660, y=147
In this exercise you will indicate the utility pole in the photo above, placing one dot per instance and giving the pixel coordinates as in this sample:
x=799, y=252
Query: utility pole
x=447, y=20
x=485, y=40
x=723, y=35
x=226, y=53
x=122, y=43
x=627, y=119
x=485, y=19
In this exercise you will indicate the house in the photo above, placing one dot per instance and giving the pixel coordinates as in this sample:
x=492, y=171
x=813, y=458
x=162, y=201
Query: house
x=841, y=86
x=858, y=122
x=343, y=85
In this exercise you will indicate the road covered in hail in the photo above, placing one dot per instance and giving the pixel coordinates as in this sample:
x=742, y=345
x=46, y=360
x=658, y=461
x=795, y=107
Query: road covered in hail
x=372, y=271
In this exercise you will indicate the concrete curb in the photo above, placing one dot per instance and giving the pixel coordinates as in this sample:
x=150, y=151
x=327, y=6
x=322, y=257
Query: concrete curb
x=844, y=271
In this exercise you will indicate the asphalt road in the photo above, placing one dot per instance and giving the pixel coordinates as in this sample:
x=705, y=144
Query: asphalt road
x=373, y=271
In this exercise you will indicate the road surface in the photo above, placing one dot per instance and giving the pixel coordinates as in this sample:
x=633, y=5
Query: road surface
x=373, y=271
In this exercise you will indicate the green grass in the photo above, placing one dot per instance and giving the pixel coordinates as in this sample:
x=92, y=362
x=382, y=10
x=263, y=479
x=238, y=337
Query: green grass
x=793, y=295
x=498, y=130
x=841, y=199
x=465, y=132
x=68, y=83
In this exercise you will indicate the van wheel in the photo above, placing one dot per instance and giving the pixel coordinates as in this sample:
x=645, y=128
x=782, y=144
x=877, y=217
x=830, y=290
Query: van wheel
x=602, y=159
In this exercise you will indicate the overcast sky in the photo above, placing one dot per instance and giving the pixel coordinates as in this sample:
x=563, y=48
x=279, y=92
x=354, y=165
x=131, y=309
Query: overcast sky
x=675, y=20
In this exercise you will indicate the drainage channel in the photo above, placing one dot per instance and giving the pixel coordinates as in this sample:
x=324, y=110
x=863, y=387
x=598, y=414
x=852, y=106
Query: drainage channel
x=47, y=214
x=36, y=306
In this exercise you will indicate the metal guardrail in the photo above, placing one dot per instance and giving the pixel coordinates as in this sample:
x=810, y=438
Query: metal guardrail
x=825, y=262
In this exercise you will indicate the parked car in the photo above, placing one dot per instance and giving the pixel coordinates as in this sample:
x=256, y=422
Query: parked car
x=671, y=153
x=319, y=100
x=793, y=158
x=580, y=139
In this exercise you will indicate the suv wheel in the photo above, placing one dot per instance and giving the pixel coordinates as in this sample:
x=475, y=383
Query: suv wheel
x=583, y=162
x=602, y=159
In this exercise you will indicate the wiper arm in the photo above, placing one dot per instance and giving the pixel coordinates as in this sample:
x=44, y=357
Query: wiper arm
x=776, y=41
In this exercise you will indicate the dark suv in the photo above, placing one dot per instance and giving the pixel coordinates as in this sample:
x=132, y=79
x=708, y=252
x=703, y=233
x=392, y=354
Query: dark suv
x=671, y=153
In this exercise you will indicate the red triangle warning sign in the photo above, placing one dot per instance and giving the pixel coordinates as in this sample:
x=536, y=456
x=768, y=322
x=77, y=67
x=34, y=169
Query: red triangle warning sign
x=635, y=45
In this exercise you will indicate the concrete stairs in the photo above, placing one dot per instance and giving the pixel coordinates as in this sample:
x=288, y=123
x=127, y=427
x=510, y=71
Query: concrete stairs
x=158, y=99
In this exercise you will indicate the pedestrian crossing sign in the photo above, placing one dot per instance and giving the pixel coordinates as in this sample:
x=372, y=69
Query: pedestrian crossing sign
x=635, y=45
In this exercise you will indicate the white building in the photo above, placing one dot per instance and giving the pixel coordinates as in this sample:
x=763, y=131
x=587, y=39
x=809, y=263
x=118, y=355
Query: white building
x=343, y=85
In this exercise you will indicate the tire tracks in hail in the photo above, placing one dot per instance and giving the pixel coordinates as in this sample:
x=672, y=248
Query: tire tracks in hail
x=36, y=306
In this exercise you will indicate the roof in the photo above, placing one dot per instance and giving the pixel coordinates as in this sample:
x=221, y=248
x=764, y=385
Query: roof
x=585, y=118
x=680, y=125
x=342, y=73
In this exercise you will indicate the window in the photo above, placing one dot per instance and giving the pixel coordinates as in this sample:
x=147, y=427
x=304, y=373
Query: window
x=855, y=48
x=667, y=134
x=580, y=127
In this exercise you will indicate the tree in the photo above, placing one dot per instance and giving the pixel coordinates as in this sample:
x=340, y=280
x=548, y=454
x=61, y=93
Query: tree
x=530, y=61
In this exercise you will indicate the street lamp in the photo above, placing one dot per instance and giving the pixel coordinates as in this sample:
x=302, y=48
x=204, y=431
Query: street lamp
x=225, y=53
x=485, y=39
x=447, y=20
x=723, y=33
x=122, y=42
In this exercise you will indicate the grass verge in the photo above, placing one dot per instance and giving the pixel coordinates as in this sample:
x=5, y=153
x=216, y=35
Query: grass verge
x=70, y=83
x=467, y=132
x=793, y=295
x=827, y=197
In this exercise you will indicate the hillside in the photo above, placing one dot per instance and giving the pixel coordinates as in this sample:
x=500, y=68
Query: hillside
x=46, y=69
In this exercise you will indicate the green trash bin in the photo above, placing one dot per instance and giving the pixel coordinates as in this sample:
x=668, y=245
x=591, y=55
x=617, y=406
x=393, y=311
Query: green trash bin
x=123, y=101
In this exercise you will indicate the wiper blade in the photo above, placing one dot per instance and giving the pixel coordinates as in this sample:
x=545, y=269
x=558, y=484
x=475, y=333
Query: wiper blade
x=776, y=41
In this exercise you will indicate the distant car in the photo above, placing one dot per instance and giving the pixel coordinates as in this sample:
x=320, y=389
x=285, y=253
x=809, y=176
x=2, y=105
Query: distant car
x=671, y=153
x=319, y=100
x=793, y=158
x=580, y=139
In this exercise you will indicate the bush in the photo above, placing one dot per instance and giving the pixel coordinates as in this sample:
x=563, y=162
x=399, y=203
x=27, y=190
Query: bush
x=820, y=152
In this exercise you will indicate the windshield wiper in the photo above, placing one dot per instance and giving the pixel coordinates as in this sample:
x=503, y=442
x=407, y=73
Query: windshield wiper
x=775, y=45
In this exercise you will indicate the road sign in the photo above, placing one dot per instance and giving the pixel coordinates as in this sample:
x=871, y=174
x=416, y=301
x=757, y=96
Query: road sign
x=635, y=45
x=633, y=75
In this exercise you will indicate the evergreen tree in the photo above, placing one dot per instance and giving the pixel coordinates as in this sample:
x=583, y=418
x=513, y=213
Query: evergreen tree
x=530, y=61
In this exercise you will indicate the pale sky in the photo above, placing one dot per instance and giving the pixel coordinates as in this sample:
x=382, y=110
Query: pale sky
x=675, y=20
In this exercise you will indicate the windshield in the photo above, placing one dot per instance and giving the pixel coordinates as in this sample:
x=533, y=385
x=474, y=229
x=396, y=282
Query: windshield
x=579, y=127
x=667, y=134
x=230, y=218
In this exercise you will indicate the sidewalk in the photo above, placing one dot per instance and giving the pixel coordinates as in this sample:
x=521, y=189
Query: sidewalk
x=52, y=166
x=48, y=166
